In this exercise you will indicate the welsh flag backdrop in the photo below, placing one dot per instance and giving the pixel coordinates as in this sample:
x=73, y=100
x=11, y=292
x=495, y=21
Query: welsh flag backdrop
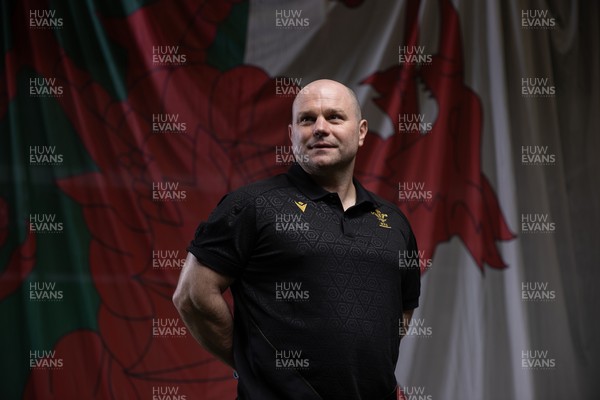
x=124, y=122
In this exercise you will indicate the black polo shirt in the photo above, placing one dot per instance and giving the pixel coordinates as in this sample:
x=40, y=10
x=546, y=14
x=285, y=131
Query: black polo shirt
x=319, y=291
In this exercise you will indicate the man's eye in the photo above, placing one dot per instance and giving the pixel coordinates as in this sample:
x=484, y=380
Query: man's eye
x=306, y=119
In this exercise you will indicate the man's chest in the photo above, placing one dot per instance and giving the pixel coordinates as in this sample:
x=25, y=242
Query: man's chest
x=295, y=230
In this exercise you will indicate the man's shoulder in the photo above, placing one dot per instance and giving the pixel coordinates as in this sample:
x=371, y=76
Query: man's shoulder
x=250, y=192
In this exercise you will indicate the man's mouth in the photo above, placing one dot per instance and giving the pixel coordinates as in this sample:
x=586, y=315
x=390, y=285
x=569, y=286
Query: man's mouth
x=321, y=145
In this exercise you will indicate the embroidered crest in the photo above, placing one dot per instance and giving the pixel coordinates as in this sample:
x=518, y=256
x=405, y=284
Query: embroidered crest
x=382, y=218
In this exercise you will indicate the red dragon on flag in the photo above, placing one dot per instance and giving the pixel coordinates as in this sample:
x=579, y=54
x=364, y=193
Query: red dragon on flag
x=447, y=159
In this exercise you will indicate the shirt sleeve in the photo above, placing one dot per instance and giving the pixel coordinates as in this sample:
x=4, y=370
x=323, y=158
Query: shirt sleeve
x=225, y=241
x=411, y=277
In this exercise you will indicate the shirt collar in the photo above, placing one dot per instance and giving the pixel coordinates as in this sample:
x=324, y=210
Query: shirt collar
x=304, y=182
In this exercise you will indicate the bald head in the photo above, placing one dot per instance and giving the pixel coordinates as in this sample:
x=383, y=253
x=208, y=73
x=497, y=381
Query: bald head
x=332, y=88
x=327, y=128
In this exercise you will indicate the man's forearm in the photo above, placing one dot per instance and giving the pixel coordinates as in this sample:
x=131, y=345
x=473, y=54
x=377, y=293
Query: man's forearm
x=199, y=299
x=212, y=326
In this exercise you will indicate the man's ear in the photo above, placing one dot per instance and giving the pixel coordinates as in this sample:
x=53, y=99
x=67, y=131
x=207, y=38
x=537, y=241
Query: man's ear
x=363, y=128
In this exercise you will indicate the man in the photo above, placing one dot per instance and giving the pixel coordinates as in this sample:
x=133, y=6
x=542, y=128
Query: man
x=312, y=259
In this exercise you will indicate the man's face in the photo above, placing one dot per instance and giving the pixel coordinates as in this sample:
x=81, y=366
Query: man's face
x=326, y=130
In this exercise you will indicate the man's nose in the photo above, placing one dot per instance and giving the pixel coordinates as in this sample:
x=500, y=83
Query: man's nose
x=321, y=127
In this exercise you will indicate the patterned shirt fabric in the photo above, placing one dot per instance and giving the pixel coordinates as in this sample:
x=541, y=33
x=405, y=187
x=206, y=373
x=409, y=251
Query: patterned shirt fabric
x=318, y=291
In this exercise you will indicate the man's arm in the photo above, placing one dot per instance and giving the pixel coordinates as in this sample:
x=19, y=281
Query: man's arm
x=406, y=317
x=199, y=300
